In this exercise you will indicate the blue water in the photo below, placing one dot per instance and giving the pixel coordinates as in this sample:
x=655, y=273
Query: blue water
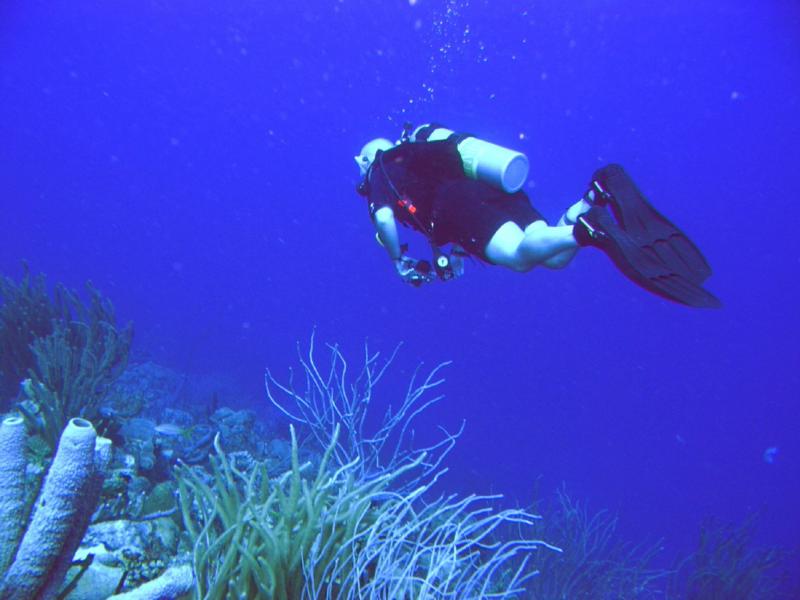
x=194, y=160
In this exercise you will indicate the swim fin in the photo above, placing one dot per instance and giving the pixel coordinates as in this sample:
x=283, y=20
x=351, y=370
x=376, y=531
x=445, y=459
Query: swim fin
x=640, y=264
x=648, y=228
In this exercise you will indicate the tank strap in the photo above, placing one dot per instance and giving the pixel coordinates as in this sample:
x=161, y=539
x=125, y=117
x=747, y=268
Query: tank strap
x=459, y=137
x=403, y=202
x=455, y=138
x=423, y=134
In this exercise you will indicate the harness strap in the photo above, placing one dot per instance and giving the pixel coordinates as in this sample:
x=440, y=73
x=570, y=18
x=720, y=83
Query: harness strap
x=403, y=202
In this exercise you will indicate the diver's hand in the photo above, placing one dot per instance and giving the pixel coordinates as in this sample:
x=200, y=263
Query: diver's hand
x=413, y=272
x=457, y=264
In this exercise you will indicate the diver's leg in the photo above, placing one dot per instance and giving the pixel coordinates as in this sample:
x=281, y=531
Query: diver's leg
x=570, y=217
x=521, y=250
x=560, y=259
x=535, y=234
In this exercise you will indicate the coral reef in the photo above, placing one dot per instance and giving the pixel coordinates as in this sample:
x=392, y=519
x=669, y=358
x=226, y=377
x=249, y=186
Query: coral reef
x=145, y=389
x=125, y=553
x=142, y=412
x=197, y=500
x=171, y=584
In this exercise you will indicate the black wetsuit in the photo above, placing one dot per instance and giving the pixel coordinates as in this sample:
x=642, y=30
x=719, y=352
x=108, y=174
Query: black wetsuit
x=425, y=186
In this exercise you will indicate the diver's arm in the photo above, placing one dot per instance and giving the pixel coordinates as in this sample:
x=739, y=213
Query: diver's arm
x=386, y=227
x=407, y=268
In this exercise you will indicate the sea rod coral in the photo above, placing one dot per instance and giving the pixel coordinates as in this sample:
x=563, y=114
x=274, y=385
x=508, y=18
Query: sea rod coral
x=364, y=523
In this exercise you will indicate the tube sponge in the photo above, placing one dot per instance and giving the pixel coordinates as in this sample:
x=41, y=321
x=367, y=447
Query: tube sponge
x=88, y=501
x=58, y=513
x=12, y=487
x=171, y=584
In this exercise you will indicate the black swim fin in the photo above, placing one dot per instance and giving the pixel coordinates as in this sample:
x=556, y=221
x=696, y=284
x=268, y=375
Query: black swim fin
x=648, y=228
x=640, y=264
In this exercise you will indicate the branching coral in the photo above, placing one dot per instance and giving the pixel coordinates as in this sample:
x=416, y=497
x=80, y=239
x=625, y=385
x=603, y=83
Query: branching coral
x=364, y=525
x=340, y=536
x=331, y=399
x=443, y=548
x=252, y=536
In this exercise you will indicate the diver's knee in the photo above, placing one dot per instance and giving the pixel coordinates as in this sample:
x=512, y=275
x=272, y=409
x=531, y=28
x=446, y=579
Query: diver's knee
x=503, y=246
x=535, y=226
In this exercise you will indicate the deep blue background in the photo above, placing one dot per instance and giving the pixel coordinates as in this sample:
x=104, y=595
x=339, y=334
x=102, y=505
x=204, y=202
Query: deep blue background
x=195, y=161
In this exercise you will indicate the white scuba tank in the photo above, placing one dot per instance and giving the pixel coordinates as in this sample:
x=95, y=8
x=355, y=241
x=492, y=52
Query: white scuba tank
x=496, y=165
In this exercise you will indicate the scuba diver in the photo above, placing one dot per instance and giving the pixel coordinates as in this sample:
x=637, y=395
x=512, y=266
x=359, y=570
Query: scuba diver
x=464, y=193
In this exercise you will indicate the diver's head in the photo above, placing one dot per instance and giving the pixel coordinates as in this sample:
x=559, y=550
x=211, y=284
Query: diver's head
x=368, y=152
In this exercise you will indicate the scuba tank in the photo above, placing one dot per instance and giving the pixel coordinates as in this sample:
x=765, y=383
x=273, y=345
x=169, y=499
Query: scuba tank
x=498, y=166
